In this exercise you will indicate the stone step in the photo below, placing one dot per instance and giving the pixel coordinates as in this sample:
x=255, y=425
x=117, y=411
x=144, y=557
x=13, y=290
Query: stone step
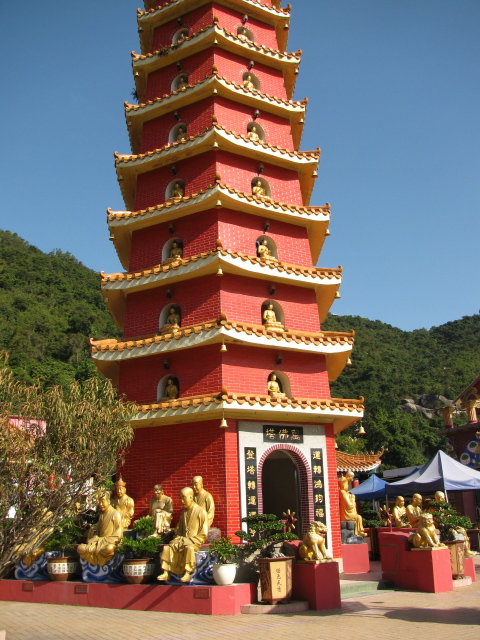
x=353, y=588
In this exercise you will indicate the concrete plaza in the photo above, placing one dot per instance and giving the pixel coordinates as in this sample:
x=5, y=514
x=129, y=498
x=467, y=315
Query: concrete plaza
x=384, y=614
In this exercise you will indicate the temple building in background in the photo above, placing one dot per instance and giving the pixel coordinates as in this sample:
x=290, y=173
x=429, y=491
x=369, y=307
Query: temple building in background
x=221, y=303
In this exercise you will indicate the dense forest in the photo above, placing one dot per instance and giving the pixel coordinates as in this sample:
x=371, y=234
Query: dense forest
x=50, y=304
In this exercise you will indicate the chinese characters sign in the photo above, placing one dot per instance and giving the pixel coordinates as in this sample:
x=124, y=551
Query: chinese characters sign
x=251, y=481
x=318, y=481
x=273, y=433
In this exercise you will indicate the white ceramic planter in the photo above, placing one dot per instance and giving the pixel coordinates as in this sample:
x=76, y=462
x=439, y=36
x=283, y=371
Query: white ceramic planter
x=61, y=569
x=224, y=574
x=138, y=571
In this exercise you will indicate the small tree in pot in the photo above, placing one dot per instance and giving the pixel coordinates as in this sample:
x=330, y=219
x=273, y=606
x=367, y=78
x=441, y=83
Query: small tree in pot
x=138, y=565
x=67, y=534
x=225, y=553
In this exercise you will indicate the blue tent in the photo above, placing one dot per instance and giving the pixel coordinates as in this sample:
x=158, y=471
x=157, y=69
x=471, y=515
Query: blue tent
x=442, y=473
x=372, y=489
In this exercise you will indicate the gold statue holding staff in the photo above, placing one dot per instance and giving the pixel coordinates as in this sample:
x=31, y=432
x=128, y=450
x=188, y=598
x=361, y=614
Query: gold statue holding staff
x=104, y=537
x=191, y=532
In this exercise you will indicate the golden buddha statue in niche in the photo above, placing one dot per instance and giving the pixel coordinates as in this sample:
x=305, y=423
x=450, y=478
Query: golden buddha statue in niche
x=176, y=251
x=252, y=134
x=399, y=512
x=191, y=532
x=177, y=191
x=264, y=252
x=247, y=83
x=414, y=510
x=123, y=503
x=242, y=34
x=348, y=507
x=173, y=320
x=273, y=387
x=203, y=498
x=270, y=319
x=161, y=510
x=104, y=537
x=258, y=190
x=171, y=391
x=181, y=134
x=182, y=83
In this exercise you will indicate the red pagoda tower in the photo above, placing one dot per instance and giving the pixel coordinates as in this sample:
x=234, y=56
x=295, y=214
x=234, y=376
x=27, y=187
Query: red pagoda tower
x=220, y=306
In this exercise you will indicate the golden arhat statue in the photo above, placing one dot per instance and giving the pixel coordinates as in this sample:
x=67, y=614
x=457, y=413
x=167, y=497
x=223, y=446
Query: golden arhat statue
x=171, y=391
x=348, y=507
x=414, y=510
x=270, y=319
x=399, y=512
x=182, y=82
x=247, y=83
x=203, y=498
x=161, y=510
x=123, y=503
x=425, y=537
x=191, y=532
x=173, y=320
x=104, y=537
x=252, y=134
x=313, y=548
x=258, y=190
x=176, y=251
x=177, y=191
x=181, y=134
x=273, y=388
x=264, y=252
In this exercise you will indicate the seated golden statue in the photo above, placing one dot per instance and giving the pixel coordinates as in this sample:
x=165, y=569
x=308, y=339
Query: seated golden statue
x=171, y=391
x=348, y=507
x=312, y=548
x=273, y=388
x=414, y=510
x=181, y=135
x=182, y=83
x=399, y=513
x=440, y=497
x=425, y=537
x=173, y=320
x=161, y=510
x=247, y=83
x=270, y=319
x=264, y=252
x=176, y=251
x=203, y=498
x=177, y=191
x=258, y=190
x=123, y=503
x=191, y=532
x=104, y=537
x=242, y=34
x=252, y=134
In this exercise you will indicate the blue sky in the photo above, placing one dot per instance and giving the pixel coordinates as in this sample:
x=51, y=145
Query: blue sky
x=394, y=99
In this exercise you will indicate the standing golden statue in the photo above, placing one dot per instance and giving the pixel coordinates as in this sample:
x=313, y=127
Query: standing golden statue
x=161, y=510
x=247, y=83
x=171, y=391
x=191, y=532
x=181, y=134
x=104, y=537
x=123, y=503
x=414, y=510
x=270, y=319
x=203, y=498
x=399, y=512
x=252, y=134
x=348, y=507
x=177, y=191
x=274, y=390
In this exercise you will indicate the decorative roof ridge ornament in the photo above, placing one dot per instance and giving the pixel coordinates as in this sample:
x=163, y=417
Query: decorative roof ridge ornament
x=281, y=11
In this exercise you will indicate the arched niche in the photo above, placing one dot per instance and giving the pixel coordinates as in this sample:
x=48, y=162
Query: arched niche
x=168, y=246
x=180, y=35
x=163, y=384
x=165, y=312
x=281, y=469
x=263, y=184
x=251, y=77
x=171, y=187
x=174, y=133
x=270, y=244
x=259, y=130
x=280, y=316
x=180, y=81
x=283, y=382
x=245, y=34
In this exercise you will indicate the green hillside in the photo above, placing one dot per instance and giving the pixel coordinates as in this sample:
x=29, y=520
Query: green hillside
x=50, y=304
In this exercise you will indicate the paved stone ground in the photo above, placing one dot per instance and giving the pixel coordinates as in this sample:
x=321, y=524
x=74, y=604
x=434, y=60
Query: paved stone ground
x=395, y=614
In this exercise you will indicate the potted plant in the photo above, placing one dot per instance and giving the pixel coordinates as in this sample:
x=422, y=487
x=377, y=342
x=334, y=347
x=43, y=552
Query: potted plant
x=144, y=527
x=263, y=542
x=138, y=563
x=224, y=569
x=67, y=534
x=452, y=528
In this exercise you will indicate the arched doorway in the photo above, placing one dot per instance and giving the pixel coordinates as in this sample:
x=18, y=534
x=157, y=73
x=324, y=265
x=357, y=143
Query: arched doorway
x=281, y=487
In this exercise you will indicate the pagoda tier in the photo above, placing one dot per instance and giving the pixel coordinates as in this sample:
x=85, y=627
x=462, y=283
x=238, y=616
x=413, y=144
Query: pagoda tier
x=220, y=303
